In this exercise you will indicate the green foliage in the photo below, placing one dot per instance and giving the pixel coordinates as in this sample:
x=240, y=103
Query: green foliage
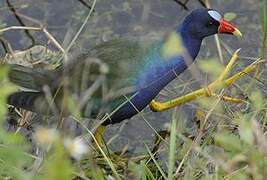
x=72, y=106
x=172, y=152
x=263, y=19
x=173, y=46
x=140, y=170
x=13, y=157
x=13, y=148
x=5, y=90
x=212, y=67
x=57, y=165
x=257, y=100
x=229, y=16
x=229, y=141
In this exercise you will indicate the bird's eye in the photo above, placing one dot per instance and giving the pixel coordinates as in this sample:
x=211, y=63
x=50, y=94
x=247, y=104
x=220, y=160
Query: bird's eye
x=210, y=23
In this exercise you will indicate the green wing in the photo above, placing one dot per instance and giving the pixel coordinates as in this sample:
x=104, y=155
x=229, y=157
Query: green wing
x=116, y=59
x=104, y=72
x=30, y=78
x=121, y=57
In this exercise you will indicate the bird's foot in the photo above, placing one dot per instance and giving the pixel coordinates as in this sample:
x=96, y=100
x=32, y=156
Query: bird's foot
x=208, y=91
x=98, y=137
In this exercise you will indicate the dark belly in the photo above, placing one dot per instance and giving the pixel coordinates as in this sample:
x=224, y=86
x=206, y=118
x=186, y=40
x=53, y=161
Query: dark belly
x=137, y=101
x=134, y=103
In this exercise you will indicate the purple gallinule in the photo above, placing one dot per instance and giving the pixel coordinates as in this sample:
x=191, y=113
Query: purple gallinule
x=145, y=68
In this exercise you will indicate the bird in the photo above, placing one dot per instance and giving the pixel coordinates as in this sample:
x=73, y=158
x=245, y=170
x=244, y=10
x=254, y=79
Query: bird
x=136, y=69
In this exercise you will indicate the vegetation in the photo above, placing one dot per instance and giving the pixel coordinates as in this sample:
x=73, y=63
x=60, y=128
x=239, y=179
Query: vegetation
x=219, y=140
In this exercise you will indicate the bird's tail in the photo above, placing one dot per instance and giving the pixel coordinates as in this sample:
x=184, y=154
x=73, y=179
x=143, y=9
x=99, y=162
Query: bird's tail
x=33, y=79
x=31, y=101
x=29, y=78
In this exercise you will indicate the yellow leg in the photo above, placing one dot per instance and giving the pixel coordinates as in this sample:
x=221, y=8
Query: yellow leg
x=229, y=66
x=229, y=99
x=200, y=118
x=217, y=84
x=99, y=135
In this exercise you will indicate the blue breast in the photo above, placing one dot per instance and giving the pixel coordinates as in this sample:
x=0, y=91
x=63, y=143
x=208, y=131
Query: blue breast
x=153, y=76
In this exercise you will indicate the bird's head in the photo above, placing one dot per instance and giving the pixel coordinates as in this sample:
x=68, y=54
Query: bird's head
x=205, y=22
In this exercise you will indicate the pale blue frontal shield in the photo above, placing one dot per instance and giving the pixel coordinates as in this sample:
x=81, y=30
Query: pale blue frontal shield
x=215, y=15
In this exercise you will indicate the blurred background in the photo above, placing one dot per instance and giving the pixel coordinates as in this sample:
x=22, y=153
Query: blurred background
x=113, y=19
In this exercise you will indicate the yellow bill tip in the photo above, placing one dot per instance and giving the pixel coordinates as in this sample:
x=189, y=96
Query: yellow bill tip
x=237, y=33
